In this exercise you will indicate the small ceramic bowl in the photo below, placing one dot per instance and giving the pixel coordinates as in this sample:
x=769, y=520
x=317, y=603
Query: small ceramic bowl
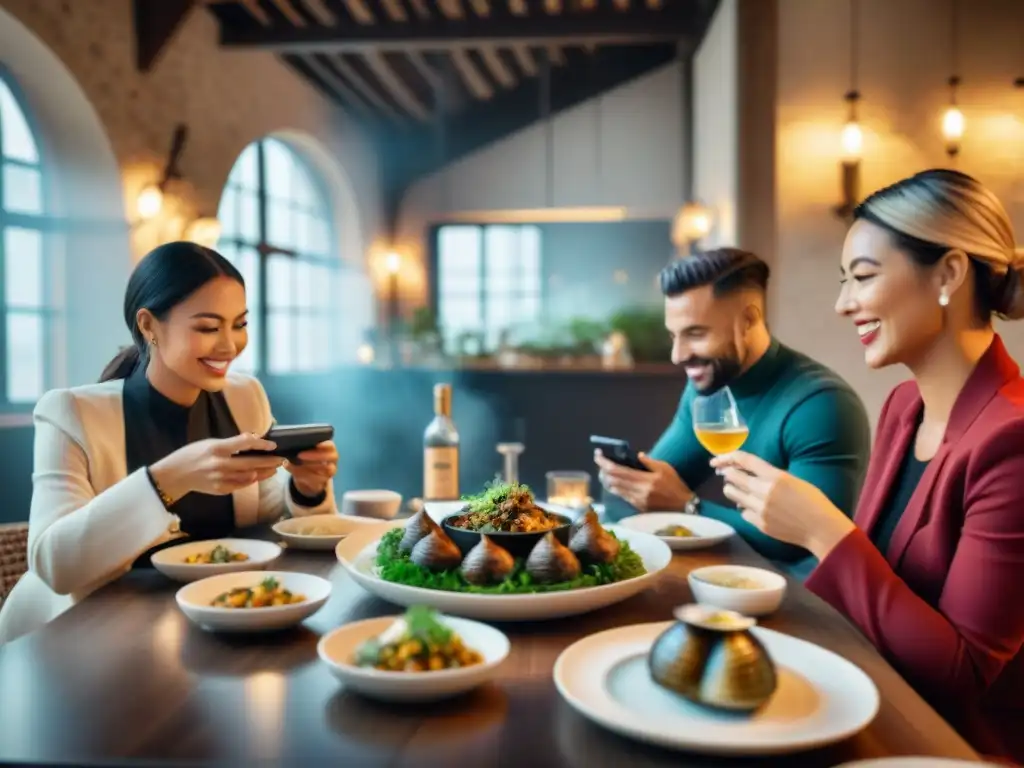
x=337, y=650
x=194, y=600
x=378, y=504
x=517, y=544
x=171, y=561
x=320, y=531
x=710, y=587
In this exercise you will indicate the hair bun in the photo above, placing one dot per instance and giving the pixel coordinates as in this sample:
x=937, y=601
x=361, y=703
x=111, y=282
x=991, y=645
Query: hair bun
x=1009, y=298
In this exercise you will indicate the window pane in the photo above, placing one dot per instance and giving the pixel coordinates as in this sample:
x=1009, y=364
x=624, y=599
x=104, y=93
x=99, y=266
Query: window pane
x=244, y=174
x=309, y=352
x=23, y=191
x=303, y=192
x=23, y=267
x=280, y=282
x=25, y=350
x=304, y=275
x=281, y=335
x=320, y=238
x=278, y=159
x=279, y=224
x=227, y=212
x=17, y=138
x=248, y=217
x=324, y=287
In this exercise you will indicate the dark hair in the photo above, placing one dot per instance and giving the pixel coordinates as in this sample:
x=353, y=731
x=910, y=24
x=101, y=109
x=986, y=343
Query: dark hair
x=165, y=277
x=927, y=202
x=724, y=269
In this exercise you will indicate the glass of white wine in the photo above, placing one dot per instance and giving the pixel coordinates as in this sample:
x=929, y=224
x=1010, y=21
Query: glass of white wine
x=717, y=422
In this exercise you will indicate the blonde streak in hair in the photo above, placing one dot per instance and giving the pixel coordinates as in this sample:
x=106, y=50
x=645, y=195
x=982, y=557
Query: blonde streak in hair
x=917, y=215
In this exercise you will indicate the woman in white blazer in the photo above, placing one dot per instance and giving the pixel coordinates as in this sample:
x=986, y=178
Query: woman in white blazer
x=147, y=456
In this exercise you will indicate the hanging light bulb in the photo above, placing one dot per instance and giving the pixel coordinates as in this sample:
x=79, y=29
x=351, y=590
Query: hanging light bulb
x=149, y=202
x=852, y=139
x=953, y=121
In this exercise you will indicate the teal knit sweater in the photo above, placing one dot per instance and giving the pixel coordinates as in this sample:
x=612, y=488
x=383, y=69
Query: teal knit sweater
x=803, y=418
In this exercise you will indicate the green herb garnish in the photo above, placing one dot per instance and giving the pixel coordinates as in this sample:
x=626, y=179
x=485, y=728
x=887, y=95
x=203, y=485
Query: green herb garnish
x=394, y=565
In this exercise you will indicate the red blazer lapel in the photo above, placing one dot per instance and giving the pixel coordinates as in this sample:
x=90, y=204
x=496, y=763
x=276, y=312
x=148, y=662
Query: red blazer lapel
x=879, y=480
x=993, y=370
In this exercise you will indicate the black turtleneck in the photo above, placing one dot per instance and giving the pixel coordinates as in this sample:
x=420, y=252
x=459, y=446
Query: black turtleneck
x=155, y=427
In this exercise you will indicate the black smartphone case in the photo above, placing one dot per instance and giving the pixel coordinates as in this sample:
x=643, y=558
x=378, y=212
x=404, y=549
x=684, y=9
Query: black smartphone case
x=293, y=440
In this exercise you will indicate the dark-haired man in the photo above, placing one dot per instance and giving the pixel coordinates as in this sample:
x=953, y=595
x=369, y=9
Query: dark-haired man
x=802, y=417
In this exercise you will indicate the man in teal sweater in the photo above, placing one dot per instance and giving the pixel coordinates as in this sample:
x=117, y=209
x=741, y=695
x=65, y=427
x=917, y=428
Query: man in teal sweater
x=802, y=417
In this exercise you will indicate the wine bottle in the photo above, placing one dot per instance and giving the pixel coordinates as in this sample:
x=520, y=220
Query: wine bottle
x=441, y=450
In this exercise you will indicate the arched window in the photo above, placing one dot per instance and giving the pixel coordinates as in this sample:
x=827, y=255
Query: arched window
x=277, y=228
x=25, y=278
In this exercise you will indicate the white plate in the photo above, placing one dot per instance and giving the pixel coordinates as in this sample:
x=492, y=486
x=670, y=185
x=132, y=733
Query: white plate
x=338, y=527
x=337, y=648
x=708, y=531
x=357, y=556
x=171, y=561
x=194, y=600
x=822, y=698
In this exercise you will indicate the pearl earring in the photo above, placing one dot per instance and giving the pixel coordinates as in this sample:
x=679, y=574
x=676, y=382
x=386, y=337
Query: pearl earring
x=943, y=298
x=152, y=341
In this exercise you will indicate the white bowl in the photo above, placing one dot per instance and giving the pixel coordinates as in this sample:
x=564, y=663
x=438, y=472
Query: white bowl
x=378, y=504
x=750, y=602
x=338, y=647
x=336, y=528
x=357, y=555
x=171, y=561
x=707, y=531
x=194, y=600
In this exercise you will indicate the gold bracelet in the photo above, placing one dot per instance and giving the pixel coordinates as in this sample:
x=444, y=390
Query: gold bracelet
x=166, y=500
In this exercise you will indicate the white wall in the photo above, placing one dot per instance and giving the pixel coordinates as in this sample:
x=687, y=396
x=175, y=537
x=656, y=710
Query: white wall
x=715, y=124
x=621, y=149
x=904, y=94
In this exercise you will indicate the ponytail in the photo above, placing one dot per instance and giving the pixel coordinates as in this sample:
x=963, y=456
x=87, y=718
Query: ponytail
x=123, y=364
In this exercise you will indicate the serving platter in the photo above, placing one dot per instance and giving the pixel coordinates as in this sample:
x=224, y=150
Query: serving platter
x=822, y=698
x=357, y=555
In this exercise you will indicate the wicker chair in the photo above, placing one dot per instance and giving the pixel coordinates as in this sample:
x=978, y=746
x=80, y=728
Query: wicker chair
x=13, y=556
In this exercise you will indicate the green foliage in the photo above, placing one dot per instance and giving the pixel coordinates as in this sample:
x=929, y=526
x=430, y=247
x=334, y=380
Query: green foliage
x=644, y=327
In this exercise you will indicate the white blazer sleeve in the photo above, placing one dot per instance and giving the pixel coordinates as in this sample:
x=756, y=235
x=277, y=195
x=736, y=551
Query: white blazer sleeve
x=76, y=537
x=275, y=496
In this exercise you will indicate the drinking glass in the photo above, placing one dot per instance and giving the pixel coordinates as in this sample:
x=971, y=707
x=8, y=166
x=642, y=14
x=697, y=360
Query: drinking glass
x=717, y=422
x=568, y=488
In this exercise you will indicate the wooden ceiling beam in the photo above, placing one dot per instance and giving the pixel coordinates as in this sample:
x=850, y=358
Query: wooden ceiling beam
x=601, y=26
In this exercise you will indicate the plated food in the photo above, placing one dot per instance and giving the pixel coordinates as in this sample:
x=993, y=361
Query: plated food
x=819, y=697
x=219, y=554
x=741, y=588
x=419, y=641
x=422, y=554
x=709, y=656
x=268, y=593
x=253, y=601
x=364, y=655
x=194, y=560
x=681, y=531
x=489, y=582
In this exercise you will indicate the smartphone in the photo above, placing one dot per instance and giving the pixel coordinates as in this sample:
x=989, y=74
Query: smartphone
x=618, y=451
x=293, y=440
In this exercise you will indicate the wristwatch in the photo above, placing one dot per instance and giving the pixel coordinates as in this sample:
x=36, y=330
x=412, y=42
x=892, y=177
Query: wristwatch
x=692, y=507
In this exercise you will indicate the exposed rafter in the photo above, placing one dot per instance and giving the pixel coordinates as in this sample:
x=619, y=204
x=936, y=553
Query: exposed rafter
x=599, y=26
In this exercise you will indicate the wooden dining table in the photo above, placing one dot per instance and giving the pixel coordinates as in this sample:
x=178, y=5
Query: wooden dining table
x=125, y=678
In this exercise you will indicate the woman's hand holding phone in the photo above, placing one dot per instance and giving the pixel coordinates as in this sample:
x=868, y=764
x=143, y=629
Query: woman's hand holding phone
x=318, y=466
x=211, y=466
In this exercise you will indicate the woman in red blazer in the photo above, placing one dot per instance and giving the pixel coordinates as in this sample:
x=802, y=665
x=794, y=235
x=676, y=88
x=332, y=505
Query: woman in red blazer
x=932, y=567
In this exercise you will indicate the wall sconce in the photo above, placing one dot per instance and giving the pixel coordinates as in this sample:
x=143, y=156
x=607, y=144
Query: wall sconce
x=852, y=145
x=691, y=224
x=953, y=121
x=204, y=231
x=150, y=201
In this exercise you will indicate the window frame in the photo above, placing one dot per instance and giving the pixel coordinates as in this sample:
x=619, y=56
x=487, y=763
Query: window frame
x=45, y=224
x=265, y=250
x=434, y=262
